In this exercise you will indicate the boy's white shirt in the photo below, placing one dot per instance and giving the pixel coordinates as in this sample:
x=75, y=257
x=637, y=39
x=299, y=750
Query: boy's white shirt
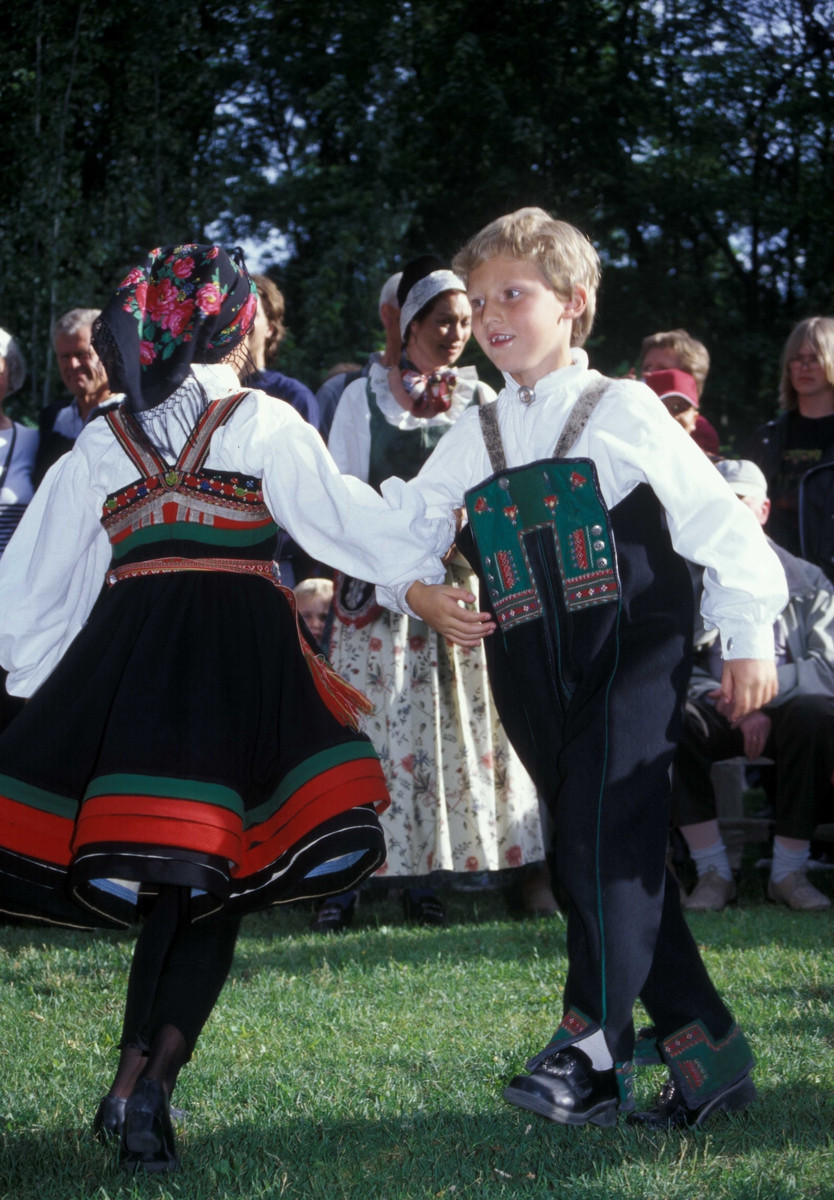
x=631, y=439
x=55, y=564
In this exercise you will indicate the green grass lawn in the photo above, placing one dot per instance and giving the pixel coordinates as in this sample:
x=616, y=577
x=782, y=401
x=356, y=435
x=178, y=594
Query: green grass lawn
x=371, y=1065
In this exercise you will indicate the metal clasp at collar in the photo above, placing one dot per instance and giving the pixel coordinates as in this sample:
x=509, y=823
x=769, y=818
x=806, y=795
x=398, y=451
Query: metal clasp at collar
x=526, y=395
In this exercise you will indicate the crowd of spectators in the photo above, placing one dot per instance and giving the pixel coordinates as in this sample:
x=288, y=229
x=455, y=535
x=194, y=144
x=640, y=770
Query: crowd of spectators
x=784, y=473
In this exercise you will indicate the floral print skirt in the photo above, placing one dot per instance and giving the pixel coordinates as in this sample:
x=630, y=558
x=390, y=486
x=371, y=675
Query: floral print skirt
x=460, y=798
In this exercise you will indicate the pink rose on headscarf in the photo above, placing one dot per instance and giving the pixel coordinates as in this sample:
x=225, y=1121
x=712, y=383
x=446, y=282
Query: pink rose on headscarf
x=140, y=296
x=213, y=253
x=209, y=298
x=247, y=313
x=162, y=298
x=147, y=353
x=183, y=267
x=178, y=318
x=132, y=277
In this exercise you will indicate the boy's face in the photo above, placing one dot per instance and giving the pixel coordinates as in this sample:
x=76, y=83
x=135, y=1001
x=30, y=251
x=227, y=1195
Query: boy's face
x=519, y=321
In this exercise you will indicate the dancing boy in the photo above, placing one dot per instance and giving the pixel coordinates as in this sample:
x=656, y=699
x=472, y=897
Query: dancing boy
x=582, y=495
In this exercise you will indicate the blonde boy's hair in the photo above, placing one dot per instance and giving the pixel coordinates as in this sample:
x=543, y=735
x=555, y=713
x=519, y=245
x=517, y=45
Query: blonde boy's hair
x=314, y=589
x=564, y=256
x=692, y=355
x=819, y=331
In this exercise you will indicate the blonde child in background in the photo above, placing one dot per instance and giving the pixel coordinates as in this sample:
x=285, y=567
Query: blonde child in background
x=313, y=598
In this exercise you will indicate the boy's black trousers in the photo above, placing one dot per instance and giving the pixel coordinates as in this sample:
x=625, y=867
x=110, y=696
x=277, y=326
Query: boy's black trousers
x=597, y=730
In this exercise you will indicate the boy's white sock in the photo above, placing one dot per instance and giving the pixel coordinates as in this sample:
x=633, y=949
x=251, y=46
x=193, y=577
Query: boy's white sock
x=597, y=1050
x=714, y=856
x=785, y=861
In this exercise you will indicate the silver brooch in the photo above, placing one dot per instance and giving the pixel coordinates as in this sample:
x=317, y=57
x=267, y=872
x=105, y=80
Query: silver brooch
x=526, y=395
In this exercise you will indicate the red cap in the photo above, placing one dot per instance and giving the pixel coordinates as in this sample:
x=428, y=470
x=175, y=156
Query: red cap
x=673, y=383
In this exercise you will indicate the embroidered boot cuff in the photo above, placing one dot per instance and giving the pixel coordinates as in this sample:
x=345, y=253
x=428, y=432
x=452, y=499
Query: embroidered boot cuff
x=573, y=1027
x=703, y=1067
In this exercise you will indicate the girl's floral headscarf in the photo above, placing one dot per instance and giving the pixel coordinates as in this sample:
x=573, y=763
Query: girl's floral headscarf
x=184, y=305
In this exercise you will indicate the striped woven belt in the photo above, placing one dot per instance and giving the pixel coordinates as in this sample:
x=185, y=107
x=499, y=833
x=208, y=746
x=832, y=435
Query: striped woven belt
x=169, y=566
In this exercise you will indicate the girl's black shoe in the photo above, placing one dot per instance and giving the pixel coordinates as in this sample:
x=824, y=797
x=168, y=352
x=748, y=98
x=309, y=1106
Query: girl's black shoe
x=108, y=1122
x=147, y=1134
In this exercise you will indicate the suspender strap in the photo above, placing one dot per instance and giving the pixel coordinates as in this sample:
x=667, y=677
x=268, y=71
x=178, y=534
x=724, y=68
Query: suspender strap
x=136, y=447
x=195, y=451
x=580, y=415
x=488, y=414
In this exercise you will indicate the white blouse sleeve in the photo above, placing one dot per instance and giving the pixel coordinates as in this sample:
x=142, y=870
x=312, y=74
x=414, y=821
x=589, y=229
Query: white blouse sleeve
x=51, y=572
x=336, y=518
x=634, y=440
x=350, y=434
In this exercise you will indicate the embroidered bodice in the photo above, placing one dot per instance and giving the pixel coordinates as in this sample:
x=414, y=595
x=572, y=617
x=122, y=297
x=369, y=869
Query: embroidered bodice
x=184, y=509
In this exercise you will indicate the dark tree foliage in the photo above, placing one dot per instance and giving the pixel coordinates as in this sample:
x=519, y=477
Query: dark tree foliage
x=691, y=140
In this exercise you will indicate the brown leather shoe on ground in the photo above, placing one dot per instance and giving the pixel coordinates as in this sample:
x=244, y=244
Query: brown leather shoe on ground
x=711, y=893
x=795, y=891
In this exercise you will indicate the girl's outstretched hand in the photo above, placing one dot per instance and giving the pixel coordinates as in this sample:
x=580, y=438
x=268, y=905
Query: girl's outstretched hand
x=441, y=607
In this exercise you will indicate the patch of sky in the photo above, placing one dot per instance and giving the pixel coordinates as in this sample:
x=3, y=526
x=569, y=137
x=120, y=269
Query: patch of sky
x=266, y=248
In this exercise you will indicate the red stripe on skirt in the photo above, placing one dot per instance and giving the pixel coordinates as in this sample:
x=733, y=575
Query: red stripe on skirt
x=161, y=821
x=209, y=829
x=339, y=799
x=35, y=833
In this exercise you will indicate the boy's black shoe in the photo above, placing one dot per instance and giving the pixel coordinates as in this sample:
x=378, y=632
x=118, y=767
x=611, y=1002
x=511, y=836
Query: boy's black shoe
x=672, y=1112
x=566, y=1088
x=705, y=1076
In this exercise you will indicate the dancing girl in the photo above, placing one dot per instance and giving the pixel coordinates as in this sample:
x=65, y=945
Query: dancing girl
x=185, y=756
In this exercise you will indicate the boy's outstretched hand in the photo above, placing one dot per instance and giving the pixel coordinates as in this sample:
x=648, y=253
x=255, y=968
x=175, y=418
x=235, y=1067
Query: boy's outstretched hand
x=747, y=684
x=441, y=607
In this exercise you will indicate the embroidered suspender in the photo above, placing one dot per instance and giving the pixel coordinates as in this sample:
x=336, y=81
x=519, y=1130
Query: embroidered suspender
x=580, y=415
x=137, y=448
x=488, y=415
x=191, y=458
x=195, y=451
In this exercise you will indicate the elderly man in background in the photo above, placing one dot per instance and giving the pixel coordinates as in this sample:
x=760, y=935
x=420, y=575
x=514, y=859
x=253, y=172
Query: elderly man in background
x=796, y=730
x=83, y=376
x=330, y=392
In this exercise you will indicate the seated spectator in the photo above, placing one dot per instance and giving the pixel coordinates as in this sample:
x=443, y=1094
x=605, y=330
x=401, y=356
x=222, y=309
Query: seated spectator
x=796, y=450
x=796, y=730
x=675, y=350
x=85, y=379
x=313, y=599
x=264, y=343
x=330, y=392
